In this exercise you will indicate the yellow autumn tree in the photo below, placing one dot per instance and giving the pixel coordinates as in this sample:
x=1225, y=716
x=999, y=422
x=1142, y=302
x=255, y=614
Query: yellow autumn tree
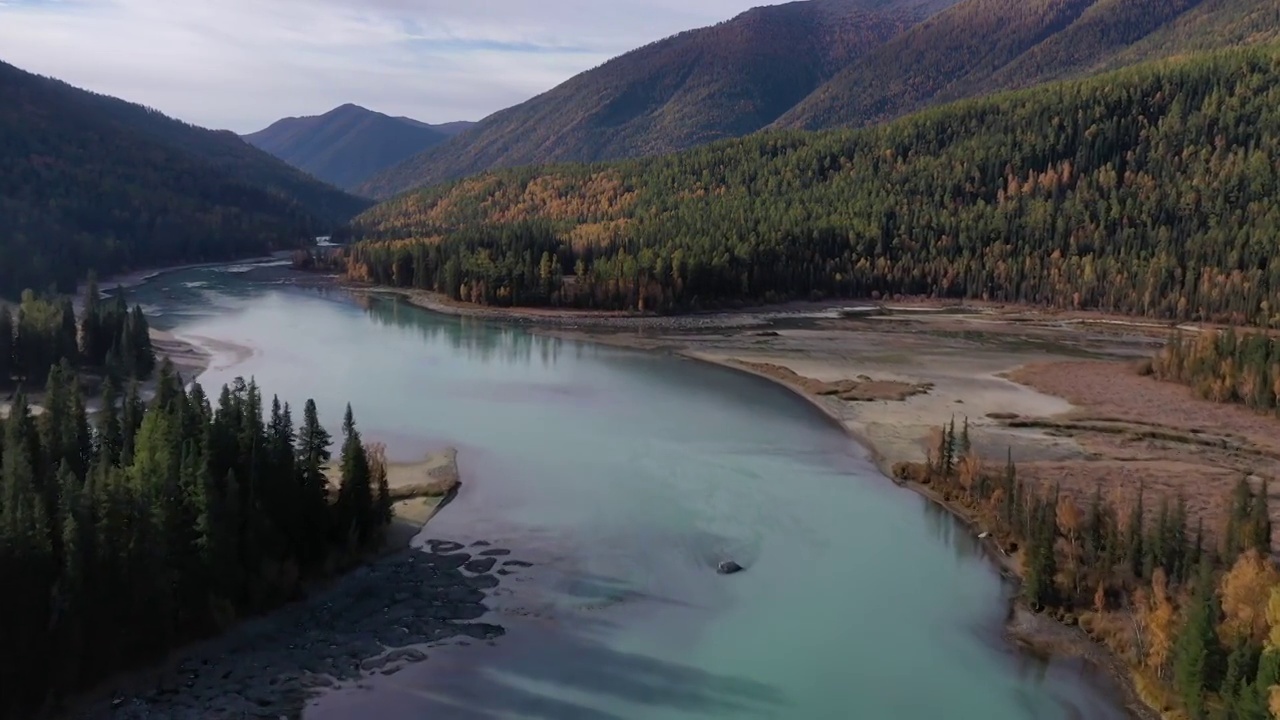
x=1160, y=618
x=1070, y=521
x=1246, y=591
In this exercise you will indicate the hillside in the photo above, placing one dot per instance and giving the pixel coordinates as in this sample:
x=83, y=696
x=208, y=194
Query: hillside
x=349, y=144
x=979, y=47
x=1148, y=191
x=696, y=87
x=92, y=182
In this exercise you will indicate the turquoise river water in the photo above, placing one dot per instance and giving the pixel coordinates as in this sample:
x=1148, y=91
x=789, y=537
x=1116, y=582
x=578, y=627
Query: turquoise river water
x=624, y=477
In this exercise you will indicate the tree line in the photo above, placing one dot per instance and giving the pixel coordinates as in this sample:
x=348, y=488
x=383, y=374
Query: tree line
x=1195, y=609
x=1225, y=366
x=1148, y=191
x=109, y=338
x=153, y=523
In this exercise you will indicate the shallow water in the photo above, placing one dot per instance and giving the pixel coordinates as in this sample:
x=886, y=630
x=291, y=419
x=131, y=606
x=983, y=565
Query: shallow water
x=625, y=477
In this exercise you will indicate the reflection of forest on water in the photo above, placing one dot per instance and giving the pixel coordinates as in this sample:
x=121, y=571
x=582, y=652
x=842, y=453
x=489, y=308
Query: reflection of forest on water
x=1030, y=664
x=477, y=339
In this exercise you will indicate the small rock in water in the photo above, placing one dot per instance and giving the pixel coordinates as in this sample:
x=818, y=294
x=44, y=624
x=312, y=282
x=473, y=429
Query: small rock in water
x=728, y=567
x=480, y=565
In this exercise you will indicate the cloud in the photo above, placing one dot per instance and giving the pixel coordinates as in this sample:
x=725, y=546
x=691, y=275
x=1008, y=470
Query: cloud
x=240, y=64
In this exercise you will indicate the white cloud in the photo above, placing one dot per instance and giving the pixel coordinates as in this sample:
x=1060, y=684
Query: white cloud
x=241, y=64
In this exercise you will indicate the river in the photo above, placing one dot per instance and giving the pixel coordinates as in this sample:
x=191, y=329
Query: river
x=624, y=477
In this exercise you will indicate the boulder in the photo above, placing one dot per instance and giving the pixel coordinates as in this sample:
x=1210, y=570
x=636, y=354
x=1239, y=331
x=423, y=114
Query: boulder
x=728, y=567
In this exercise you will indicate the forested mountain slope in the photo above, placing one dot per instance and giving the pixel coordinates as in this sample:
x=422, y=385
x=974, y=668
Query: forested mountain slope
x=696, y=87
x=348, y=144
x=979, y=47
x=1151, y=191
x=91, y=182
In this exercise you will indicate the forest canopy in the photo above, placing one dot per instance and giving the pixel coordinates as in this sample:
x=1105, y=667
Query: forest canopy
x=1148, y=191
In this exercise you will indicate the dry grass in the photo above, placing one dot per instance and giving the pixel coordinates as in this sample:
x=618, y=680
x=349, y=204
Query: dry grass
x=1136, y=430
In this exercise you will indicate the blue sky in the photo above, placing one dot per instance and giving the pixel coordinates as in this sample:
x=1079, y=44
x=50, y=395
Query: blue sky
x=240, y=64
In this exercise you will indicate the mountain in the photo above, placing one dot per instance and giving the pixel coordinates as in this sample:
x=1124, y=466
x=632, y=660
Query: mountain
x=88, y=181
x=692, y=88
x=348, y=144
x=1150, y=190
x=978, y=47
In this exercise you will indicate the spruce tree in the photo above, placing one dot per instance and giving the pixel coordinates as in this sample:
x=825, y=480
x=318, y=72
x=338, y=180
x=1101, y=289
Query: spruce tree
x=1237, y=521
x=949, y=450
x=92, y=347
x=1135, y=545
x=356, y=509
x=1196, y=649
x=110, y=434
x=313, y=455
x=1095, y=533
x=1260, y=521
x=7, y=367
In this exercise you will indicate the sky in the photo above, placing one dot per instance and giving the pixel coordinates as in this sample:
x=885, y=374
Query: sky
x=241, y=64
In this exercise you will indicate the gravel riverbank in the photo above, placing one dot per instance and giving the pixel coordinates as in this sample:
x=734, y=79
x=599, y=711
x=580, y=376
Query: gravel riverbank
x=374, y=620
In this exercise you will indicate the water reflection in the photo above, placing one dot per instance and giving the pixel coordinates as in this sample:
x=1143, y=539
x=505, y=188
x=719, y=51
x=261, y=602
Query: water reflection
x=951, y=531
x=481, y=340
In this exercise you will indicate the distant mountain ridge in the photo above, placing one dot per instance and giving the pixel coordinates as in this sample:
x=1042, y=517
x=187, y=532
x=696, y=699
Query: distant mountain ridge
x=821, y=64
x=89, y=181
x=701, y=85
x=978, y=47
x=349, y=144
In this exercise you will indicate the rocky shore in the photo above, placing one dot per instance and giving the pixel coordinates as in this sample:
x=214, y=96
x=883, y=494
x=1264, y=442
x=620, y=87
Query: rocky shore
x=374, y=620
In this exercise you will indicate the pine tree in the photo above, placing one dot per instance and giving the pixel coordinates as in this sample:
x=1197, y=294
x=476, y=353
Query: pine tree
x=1136, y=530
x=110, y=435
x=1195, y=653
x=356, y=508
x=1260, y=521
x=1009, y=487
x=92, y=347
x=7, y=367
x=139, y=332
x=949, y=451
x=130, y=420
x=313, y=455
x=1237, y=520
x=1095, y=532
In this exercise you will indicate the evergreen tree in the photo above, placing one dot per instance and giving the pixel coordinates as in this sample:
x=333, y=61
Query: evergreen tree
x=93, y=345
x=1196, y=649
x=1136, y=530
x=312, y=457
x=1260, y=521
x=7, y=367
x=110, y=435
x=356, y=509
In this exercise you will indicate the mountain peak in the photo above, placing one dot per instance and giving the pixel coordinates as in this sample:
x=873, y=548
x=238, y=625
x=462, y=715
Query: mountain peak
x=347, y=144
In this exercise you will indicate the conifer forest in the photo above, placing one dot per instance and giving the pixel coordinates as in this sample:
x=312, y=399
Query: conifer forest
x=131, y=525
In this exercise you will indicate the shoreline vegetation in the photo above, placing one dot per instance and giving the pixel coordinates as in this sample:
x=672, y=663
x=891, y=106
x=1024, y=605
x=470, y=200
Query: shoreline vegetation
x=152, y=523
x=1078, y=399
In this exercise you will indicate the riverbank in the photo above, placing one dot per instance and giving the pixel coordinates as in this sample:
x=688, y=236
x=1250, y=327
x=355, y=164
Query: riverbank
x=137, y=277
x=374, y=620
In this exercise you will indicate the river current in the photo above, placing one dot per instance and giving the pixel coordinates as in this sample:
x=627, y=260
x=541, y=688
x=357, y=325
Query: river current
x=624, y=477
